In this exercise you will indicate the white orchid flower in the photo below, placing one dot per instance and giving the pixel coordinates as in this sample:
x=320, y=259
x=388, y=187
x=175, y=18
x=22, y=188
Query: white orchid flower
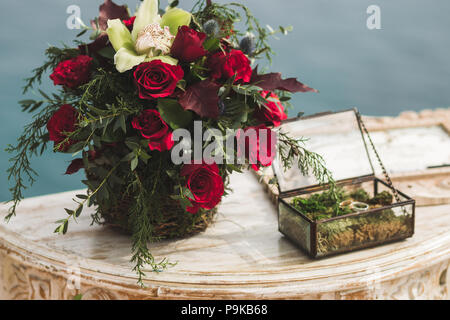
x=151, y=38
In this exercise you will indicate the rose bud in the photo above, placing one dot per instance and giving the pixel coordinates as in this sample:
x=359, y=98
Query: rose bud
x=129, y=23
x=273, y=111
x=153, y=128
x=188, y=45
x=61, y=124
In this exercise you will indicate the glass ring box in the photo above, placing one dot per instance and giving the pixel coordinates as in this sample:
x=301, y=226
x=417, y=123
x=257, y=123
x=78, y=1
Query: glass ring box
x=367, y=212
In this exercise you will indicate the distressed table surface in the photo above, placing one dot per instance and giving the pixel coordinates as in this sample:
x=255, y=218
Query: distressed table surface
x=241, y=256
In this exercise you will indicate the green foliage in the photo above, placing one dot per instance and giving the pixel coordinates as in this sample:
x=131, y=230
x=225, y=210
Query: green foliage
x=55, y=55
x=325, y=205
x=383, y=198
x=232, y=13
x=142, y=229
x=322, y=205
x=172, y=113
x=362, y=229
x=360, y=195
x=78, y=297
x=32, y=142
x=291, y=150
x=240, y=101
x=128, y=184
x=64, y=223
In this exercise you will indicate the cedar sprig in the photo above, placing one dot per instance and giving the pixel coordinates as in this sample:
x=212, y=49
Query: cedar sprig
x=291, y=150
x=33, y=141
x=55, y=56
x=142, y=229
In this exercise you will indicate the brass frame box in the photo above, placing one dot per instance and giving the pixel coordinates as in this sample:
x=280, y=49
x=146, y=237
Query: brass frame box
x=349, y=159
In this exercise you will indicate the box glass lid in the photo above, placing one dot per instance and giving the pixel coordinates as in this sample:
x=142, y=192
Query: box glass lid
x=337, y=137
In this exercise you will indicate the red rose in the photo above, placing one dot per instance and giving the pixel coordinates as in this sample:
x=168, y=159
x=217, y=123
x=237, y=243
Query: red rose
x=61, y=124
x=258, y=145
x=156, y=79
x=188, y=45
x=273, y=111
x=205, y=184
x=72, y=73
x=226, y=65
x=129, y=23
x=153, y=128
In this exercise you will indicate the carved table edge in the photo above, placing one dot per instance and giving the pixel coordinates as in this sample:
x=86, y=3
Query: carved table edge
x=31, y=266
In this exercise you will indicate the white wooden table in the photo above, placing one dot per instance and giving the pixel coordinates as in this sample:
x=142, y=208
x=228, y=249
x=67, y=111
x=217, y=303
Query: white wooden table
x=241, y=256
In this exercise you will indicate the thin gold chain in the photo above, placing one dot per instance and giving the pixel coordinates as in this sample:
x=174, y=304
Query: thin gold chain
x=385, y=173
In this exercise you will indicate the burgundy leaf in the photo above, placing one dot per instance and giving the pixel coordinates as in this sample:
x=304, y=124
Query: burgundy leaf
x=98, y=44
x=202, y=98
x=273, y=81
x=108, y=11
x=75, y=166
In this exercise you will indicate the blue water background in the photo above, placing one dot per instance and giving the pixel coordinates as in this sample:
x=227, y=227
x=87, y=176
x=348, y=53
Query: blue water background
x=403, y=66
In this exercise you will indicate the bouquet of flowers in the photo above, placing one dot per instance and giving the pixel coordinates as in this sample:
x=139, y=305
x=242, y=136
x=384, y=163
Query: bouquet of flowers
x=129, y=102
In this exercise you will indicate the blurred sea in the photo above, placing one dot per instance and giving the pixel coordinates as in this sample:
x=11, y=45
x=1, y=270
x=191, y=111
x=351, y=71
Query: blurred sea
x=403, y=66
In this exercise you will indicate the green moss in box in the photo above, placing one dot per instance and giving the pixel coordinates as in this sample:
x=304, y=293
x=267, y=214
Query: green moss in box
x=321, y=205
x=325, y=205
x=355, y=230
